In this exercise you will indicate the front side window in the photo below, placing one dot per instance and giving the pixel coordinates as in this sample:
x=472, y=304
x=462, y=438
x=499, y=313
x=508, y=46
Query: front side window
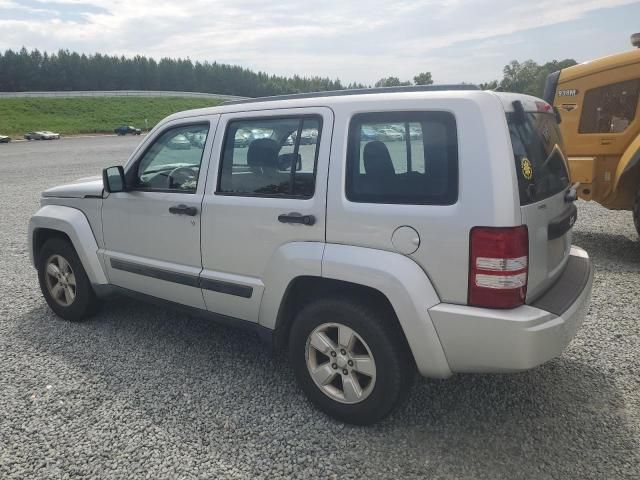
x=172, y=163
x=273, y=157
x=610, y=109
x=403, y=157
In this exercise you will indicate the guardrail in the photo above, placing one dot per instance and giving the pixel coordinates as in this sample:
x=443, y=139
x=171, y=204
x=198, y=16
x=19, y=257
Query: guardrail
x=120, y=93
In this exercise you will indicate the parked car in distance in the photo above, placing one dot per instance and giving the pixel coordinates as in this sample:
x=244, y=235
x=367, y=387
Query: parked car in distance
x=386, y=134
x=258, y=133
x=415, y=133
x=179, y=142
x=124, y=129
x=196, y=139
x=368, y=260
x=4, y=139
x=242, y=138
x=368, y=133
x=42, y=135
x=308, y=136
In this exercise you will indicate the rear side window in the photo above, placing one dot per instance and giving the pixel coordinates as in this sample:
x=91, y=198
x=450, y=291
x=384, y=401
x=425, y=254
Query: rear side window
x=537, y=149
x=610, y=109
x=272, y=157
x=403, y=158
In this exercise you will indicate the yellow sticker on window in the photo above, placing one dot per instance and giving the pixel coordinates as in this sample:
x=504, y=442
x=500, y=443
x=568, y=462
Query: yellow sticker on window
x=527, y=169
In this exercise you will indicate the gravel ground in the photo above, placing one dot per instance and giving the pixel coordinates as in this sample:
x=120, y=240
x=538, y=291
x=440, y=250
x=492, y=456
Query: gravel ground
x=142, y=392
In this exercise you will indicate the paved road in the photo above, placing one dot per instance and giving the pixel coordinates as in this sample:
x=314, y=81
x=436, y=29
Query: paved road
x=143, y=392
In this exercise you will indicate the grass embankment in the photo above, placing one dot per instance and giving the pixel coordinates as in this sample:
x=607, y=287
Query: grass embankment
x=71, y=116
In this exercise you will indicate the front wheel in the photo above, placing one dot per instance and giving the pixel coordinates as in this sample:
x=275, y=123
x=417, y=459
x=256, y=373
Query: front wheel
x=350, y=359
x=64, y=282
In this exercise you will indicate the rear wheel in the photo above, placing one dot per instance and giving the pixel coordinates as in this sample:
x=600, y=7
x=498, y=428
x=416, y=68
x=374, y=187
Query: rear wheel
x=350, y=359
x=636, y=211
x=64, y=282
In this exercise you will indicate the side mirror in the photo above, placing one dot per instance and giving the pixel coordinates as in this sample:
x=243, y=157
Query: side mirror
x=113, y=179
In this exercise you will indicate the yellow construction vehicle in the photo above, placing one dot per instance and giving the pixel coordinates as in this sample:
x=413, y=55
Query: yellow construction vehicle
x=600, y=122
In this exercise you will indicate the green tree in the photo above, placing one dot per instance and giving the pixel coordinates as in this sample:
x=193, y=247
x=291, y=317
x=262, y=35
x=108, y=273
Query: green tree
x=423, y=78
x=65, y=70
x=529, y=77
x=492, y=85
x=391, y=82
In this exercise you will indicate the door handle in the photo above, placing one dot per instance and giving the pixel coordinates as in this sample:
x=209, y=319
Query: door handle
x=183, y=210
x=295, y=217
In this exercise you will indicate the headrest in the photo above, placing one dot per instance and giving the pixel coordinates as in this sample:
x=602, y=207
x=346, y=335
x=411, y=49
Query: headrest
x=263, y=152
x=377, y=161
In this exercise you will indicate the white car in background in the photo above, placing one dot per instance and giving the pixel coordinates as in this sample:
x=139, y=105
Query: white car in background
x=388, y=134
x=42, y=135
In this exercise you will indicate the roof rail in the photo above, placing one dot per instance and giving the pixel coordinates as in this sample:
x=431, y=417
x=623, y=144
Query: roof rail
x=358, y=91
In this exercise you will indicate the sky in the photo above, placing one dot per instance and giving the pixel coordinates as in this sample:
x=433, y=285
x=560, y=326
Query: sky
x=359, y=41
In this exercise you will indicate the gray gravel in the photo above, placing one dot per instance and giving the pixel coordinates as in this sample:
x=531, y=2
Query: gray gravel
x=142, y=392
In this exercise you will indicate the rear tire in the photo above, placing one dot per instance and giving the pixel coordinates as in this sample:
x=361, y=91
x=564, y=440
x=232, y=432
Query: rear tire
x=64, y=282
x=636, y=211
x=375, y=363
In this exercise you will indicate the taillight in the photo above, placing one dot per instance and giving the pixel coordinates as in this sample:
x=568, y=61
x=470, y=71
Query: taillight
x=498, y=265
x=543, y=107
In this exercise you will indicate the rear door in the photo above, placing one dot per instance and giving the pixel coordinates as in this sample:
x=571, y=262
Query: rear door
x=264, y=191
x=543, y=181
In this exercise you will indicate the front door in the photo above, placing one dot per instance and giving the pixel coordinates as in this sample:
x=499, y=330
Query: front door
x=266, y=196
x=152, y=231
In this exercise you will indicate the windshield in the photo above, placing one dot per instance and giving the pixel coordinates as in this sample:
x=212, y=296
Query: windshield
x=540, y=163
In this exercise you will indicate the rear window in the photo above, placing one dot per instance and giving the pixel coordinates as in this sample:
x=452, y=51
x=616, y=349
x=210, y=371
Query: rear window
x=537, y=150
x=403, y=158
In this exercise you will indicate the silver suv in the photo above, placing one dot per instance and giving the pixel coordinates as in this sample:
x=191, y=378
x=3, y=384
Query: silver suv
x=373, y=233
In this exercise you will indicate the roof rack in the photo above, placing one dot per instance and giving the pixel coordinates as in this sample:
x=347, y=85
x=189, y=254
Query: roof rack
x=358, y=91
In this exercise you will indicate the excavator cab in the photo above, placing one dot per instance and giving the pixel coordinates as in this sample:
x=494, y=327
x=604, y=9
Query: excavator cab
x=600, y=123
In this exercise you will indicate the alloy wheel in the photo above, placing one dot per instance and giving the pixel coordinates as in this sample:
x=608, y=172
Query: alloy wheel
x=60, y=280
x=340, y=363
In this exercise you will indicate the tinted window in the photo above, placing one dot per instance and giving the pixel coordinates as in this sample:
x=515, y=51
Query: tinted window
x=537, y=149
x=270, y=157
x=610, y=109
x=403, y=157
x=172, y=163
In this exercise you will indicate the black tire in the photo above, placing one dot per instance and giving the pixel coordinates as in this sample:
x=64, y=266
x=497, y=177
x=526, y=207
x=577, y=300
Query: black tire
x=85, y=302
x=636, y=211
x=395, y=368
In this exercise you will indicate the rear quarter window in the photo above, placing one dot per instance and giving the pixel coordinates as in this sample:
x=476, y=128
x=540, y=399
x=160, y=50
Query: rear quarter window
x=539, y=159
x=403, y=158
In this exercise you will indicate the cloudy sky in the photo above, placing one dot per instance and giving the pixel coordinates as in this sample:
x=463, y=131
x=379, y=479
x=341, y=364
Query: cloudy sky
x=353, y=40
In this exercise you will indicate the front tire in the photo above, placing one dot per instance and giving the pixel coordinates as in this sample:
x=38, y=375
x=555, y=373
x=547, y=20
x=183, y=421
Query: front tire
x=350, y=359
x=64, y=282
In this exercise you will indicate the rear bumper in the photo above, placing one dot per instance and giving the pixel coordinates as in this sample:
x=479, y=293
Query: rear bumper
x=488, y=340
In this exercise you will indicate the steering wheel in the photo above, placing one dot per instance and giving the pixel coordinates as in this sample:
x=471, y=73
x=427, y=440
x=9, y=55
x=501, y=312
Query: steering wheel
x=187, y=173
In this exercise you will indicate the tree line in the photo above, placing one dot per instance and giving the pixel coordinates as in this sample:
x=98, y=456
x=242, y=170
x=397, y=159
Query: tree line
x=526, y=77
x=33, y=70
